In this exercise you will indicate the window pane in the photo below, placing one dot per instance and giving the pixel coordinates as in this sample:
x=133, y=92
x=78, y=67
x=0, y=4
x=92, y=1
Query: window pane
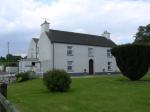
x=109, y=53
x=70, y=65
x=69, y=51
x=90, y=52
x=109, y=63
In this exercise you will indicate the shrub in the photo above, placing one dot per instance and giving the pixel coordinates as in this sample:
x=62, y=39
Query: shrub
x=24, y=76
x=32, y=75
x=132, y=59
x=57, y=80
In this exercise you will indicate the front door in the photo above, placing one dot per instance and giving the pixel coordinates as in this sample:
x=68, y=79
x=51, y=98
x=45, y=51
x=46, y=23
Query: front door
x=91, y=68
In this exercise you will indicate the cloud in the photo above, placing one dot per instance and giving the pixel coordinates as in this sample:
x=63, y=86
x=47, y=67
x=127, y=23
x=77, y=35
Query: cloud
x=21, y=19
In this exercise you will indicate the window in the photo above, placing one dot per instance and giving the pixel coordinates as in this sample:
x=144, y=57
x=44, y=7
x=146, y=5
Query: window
x=69, y=65
x=90, y=52
x=109, y=66
x=109, y=53
x=33, y=63
x=69, y=51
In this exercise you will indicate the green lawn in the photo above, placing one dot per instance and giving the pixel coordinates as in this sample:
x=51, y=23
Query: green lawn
x=98, y=94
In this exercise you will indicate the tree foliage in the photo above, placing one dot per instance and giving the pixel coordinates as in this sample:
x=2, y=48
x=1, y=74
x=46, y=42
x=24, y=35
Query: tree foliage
x=24, y=76
x=57, y=80
x=143, y=35
x=132, y=59
x=11, y=57
x=10, y=60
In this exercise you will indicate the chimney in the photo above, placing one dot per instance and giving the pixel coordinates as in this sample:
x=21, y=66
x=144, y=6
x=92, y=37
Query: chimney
x=45, y=27
x=106, y=34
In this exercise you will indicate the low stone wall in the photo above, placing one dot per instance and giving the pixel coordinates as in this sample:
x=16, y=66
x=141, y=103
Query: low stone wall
x=5, y=105
x=7, y=78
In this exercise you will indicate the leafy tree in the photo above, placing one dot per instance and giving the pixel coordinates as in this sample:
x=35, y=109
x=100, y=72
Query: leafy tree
x=57, y=80
x=132, y=59
x=2, y=58
x=10, y=57
x=143, y=35
x=10, y=60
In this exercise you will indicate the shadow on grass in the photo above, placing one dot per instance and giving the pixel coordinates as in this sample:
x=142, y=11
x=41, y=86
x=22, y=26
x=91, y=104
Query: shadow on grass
x=46, y=91
x=137, y=81
x=144, y=79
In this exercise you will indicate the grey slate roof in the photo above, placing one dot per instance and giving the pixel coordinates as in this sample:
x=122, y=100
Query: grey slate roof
x=57, y=36
x=35, y=40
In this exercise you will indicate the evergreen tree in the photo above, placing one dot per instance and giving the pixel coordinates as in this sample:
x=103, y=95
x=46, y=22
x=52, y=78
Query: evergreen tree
x=143, y=35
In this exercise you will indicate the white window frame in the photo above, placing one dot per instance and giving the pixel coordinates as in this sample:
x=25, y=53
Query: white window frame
x=69, y=50
x=70, y=66
x=109, y=55
x=90, y=52
x=109, y=67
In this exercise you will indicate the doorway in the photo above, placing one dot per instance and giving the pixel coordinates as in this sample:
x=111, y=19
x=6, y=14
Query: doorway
x=91, y=67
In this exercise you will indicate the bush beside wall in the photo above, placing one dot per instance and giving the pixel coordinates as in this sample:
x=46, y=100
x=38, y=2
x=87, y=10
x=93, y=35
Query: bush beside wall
x=24, y=76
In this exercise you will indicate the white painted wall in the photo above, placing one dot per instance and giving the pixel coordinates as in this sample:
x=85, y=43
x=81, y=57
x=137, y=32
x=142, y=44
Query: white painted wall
x=1, y=68
x=45, y=27
x=45, y=52
x=81, y=59
x=32, y=50
x=26, y=65
x=12, y=69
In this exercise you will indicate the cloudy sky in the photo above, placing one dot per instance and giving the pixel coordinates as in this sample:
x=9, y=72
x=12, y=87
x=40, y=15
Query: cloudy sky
x=20, y=20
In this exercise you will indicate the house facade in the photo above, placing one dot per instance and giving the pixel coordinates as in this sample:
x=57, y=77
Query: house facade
x=75, y=53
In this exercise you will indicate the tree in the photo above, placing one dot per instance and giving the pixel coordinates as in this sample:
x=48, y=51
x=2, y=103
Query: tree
x=11, y=57
x=132, y=59
x=2, y=59
x=57, y=80
x=143, y=35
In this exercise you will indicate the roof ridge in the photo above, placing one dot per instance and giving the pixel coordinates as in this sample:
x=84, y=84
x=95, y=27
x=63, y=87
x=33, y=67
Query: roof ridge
x=77, y=33
x=58, y=36
x=35, y=39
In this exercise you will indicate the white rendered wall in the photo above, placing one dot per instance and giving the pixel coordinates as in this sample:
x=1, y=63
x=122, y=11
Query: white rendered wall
x=45, y=52
x=26, y=65
x=32, y=50
x=81, y=59
x=12, y=69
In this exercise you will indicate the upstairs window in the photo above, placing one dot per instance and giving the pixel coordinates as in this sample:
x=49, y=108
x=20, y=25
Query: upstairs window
x=70, y=66
x=109, y=66
x=69, y=51
x=109, y=53
x=90, y=52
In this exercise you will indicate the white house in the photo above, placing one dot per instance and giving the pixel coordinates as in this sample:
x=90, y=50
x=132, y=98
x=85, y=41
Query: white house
x=33, y=48
x=32, y=62
x=75, y=53
x=29, y=64
x=11, y=69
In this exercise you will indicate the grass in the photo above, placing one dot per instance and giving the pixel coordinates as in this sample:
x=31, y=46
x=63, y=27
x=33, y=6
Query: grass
x=98, y=94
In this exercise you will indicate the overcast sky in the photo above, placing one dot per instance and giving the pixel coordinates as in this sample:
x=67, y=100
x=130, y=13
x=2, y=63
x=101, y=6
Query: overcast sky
x=20, y=20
